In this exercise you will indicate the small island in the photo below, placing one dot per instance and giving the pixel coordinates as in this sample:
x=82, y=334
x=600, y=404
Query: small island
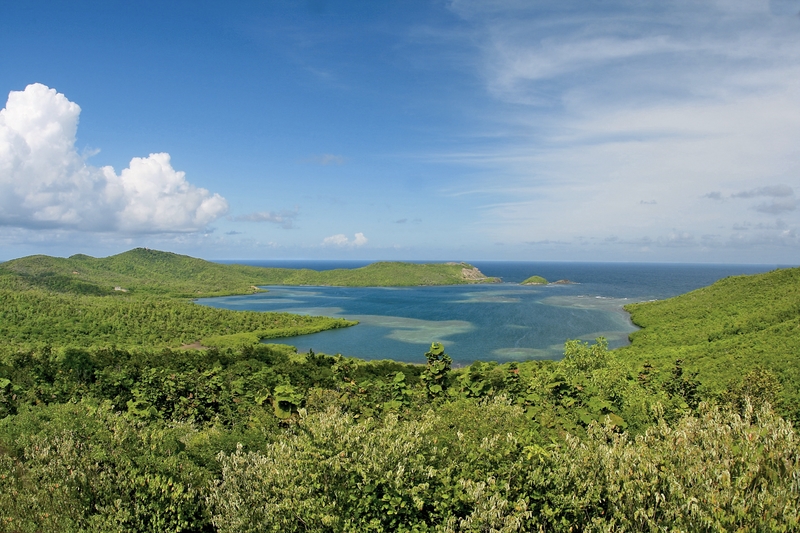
x=534, y=280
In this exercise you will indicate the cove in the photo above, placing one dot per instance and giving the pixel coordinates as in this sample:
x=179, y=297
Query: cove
x=498, y=322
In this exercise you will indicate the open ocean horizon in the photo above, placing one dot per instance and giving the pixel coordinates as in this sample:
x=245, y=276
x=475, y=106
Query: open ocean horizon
x=493, y=322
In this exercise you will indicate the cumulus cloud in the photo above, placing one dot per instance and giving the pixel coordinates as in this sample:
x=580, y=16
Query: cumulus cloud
x=284, y=218
x=341, y=241
x=45, y=183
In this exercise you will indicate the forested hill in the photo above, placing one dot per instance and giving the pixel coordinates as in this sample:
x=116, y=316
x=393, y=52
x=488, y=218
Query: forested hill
x=138, y=298
x=725, y=331
x=146, y=271
x=138, y=271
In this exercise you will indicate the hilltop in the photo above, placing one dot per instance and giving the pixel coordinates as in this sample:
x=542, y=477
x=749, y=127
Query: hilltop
x=137, y=298
x=138, y=271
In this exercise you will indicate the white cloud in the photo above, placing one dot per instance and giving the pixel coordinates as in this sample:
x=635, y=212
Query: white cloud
x=45, y=183
x=341, y=241
x=632, y=112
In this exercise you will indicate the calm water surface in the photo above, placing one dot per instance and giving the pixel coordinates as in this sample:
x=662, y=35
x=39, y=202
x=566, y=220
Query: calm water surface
x=497, y=322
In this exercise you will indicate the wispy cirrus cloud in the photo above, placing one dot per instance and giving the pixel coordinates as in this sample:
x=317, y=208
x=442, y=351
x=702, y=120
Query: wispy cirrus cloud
x=328, y=159
x=781, y=198
x=774, y=191
x=283, y=218
x=632, y=111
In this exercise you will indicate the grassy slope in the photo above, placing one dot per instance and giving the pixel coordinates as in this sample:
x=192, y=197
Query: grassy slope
x=725, y=330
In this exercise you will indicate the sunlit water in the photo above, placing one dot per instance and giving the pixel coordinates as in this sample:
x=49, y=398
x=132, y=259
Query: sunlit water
x=499, y=322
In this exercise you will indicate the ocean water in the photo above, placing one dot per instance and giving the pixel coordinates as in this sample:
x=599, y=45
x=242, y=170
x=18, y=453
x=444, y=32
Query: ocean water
x=496, y=322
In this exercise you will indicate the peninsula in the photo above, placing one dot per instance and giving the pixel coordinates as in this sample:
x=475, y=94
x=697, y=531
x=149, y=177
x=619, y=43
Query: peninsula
x=145, y=271
x=144, y=297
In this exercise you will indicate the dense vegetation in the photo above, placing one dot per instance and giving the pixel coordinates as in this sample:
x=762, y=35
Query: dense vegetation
x=33, y=318
x=724, y=331
x=104, y=426
x=262, y=439
x=139, y=298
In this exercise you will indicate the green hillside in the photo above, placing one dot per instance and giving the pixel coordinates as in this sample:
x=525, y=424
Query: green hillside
x=139, y=271
x=725, y=331
x=138, y=298
x=143, y=271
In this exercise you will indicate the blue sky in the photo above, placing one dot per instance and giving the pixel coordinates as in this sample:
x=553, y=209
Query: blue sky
x=494, y=129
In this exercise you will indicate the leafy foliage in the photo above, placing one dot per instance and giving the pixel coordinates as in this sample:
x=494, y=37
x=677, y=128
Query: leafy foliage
x=435, y=375
x=455, y=472
x=264, y=439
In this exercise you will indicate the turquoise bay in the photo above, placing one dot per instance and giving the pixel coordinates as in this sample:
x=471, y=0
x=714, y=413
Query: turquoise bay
x=498, y=322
